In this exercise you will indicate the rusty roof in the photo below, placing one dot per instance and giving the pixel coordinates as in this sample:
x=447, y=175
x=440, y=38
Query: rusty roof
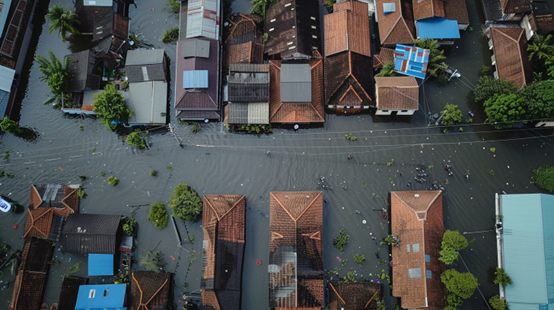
x=542, y=24
x=296, y=250
x=294, y=112
x=428, y=8
x=385, y=55
x=243, y=27
x=69, y=291
x=510, y=50
x=515, y=6
x=347, y=29
x=348, y=295
x=150, y=290
x=396, y=27
x=397, y=93
x=417, y=221
x=456, y=10
x=28, y=290
x=348, y=80
x=36, y=254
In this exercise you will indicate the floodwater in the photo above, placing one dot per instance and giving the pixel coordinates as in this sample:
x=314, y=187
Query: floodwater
x=217, y=162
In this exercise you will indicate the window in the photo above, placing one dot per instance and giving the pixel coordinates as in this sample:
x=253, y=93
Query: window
x=91, y=293
x=427, y=258
x=408, y=248
x=414, y=273
x=106, y=292
x=415, y=247
x=429, y=274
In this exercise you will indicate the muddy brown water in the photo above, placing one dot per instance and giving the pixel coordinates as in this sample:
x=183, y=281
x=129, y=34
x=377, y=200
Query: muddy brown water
x=217, y=162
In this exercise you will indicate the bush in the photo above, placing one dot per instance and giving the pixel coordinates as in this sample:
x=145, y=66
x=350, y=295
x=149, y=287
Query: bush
x=135, y=139
x=389, y=240
x=543, y=177
x=152, y=260
x=10, y=126
x=171, y=35
x=113, y=181
x=498, y=303
x=154, y=173
x=350, y=277
x=453, y=115
x=256, y=129
x=185, y=204
x=460, y=286
x=359, y=259
x=340, y=241
x=502, y=277
x=158, y=215
x=129, y=226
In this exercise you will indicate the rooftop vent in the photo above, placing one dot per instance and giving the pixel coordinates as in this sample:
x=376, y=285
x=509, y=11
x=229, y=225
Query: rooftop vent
x=416, y=195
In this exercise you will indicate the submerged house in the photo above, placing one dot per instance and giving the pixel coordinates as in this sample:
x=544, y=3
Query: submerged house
x=348, y=62
x=440, y=19
x=86, y=70
x=69, y=292
x=348, y=295
x=243, y=43
x=91, y=233
x=223, y=223
x=398, y=95
x=150, y=290
x=146, y=65
x=509, y=57
x=102, y=296
x=296, y=250
x=417, y=222
x=395, y=20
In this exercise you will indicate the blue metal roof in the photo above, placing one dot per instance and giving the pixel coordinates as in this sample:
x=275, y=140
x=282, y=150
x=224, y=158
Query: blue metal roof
x=101, y=297
x=411, y=60
x=437, y=28
x=195, y=79
x=100, y=265
x=528, y=249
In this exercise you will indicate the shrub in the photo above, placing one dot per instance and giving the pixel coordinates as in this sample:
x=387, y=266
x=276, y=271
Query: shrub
x=350, y=277
x=171, y=35
x=154, y=173
x=340, y=241
x=389, y=240
x=359, y=259
x=452, y=242
x=543, y=177
x=256, y=129
x=113, y=181
x=10, y=126
x=460, y=286
x=185, y=204
x=498, y=303
x=129, y=226
x=75, y=268
x=152, y=260
x=158, y=215
x=502, y=277
x=135, y=139
x=102, y=173
x=453, y=115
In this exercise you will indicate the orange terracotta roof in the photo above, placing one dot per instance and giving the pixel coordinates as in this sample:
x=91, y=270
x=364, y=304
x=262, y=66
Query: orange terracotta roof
x=417, y=221
x=396, y=27
x=344, y=295
x=38, y=222
x=68, y=204
x=510, y=50
x=428, y=8
x=515, y=6
x=150, y=290
x=242, y=24
x=347, y=29
x=384, y=56
x=456, y=10
x=397, y=93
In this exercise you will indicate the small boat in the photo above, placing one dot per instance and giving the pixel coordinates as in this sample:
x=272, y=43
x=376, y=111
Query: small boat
x=5, y=206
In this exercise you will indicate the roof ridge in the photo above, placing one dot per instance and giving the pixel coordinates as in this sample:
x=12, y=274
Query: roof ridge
x=233, y=206
x=67, y=197
x=359, y=84
x=38, y=195
x=213, y=209
x=311, y=203
x=350, y=88
x=401, y=93
x=416, y=212
x=521, y=57
x=157, y=291
x=391, y=28
x=287, y=211
x=338, y=295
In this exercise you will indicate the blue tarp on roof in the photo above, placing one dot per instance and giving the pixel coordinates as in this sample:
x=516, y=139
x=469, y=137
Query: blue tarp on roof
x=101, y=297
x=100, y=265
x=411, y=60
x=195, y=79
x=437, y=28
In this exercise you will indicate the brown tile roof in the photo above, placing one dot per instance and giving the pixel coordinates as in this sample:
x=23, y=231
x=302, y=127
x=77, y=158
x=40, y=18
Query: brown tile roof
x=28, y=290
x=87, y=14
x=150, y=290
x=428, y=8
x=290, y=112
x=510, y=49
x=243, y=53
x=396, y=93
x=396, y=27
x=515, y=6
x=243, y=40
x=417, y=221
x=38, y=222
x=69, y=291
x=343, y=295
x=384, y=56
x=295, y=250
x=542, y=24
x=347, y=29
x=36, y=254
x=62, y=200
x=348, y=80
x=456, y=10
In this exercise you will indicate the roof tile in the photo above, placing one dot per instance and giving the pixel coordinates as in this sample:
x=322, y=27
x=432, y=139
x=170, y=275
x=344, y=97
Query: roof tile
x=510, y=49
x=397, y=93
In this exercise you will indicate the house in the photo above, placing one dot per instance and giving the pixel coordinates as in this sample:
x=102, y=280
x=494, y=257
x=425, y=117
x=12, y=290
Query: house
x=385, y=55
x=150, y=290
x=296, y=92
x=527, y=234
x=101, y=297
x=200, y=19
x=148, y=101
x=434, y=21
x=69, y=291
x=505, y=10
x=243, y=40
x=457, y=10
x=411, y=60
x=86, y=72
x=348, y=62
x=509, y=57
x=348, y=295
x=32, y=274
x=417, y=222
x=296, y=250
x=103, y=18
x=293, y=29
x=396, y=95
x=395, y=20
x=248, y=94
x=146, y=65
x=91, y=233
x=538, y=21
x=223, y=223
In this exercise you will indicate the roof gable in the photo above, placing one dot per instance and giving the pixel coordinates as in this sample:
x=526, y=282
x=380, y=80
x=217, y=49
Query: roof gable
x=395, y=27
x=150, y=290
x=38, y=222
x=428, y=8
x=347, y=29
x=348, y=80
x=344, y=295
x=515, y=6
x=295, y=204
x=397, y=93
x=222, y=204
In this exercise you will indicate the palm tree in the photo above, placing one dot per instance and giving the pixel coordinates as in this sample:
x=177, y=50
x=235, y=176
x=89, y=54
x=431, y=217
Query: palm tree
x=55, y=74
x=387, y=70
x=436, y=56
x=63, y=21
x=540, y=48
x=259, y=6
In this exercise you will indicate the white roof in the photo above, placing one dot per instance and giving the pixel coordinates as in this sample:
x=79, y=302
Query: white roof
x=6, y=78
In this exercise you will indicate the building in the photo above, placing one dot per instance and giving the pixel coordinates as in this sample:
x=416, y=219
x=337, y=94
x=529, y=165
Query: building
x=385, y=55
x=397, y=95
x=247, y=94
x=101, y=296
x=148, y=101
x=411, y=61
x=348, y=295
x=296, y=92
x=348, y=62
x=293, y=29
x=417, y=222
x=91, y=233
x=69, y=291
x=200, y=19
x=395, y=20
x=538, y=21
x=440, y=19
x=509, y=57
x=296, y=250
x=243, y=43
x=146, y=65
x=223, y=223
x=527, y=234
x=505, y=10
x=103, y=18
x=150, y=290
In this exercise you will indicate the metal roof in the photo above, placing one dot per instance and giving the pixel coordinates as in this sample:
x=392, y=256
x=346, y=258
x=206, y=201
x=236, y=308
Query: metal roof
x=203, y=19
x=101, y=296
x=296, y=82
x=195, y=79
x=148, y=100
x=100, y=265
x=411, y=60
x=98, y=2
x=528, y=240
x=144, y=57
x=4, y=100
x=4, y=10
x=196, y=48
x=437, y=28
x=6, y=78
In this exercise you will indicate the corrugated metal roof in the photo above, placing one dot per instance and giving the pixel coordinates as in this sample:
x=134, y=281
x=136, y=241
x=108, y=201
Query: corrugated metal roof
x=203, y=19
x=148, y=100
x=6, y=78
x=195, y=79
x=100, y=265
x=144, y=57
x=98, y=2
x=196, y=48
x=437, y=28
x=411, y=60
x=527, y=240
x=101, y=296
x=4, y=9
x=296, y=82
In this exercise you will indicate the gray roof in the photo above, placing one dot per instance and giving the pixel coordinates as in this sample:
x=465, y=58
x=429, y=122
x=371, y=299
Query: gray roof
x=248, y=113
x=90, y=233
x=248, y=83
x=296, y=82
x=145, y=65
x=144, y=57
x=196, y=48
x=148, y=100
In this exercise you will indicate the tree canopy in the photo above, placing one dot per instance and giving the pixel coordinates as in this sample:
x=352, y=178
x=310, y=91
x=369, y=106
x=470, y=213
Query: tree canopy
x=541, y=48
x=10, y=126
x=158, y=215
x=152, y=260
x=436, y=55
x=502, y=277
x=543, y=177
x=488, y=86
x=387, y=70
x=185, y=204
x=452, y=242
x=460, y=285
x=538, y=100
x=453, y=115
x=498, y=303
x=55, y=74
x=260, y=6
x=135, y=139
x=110, y=107
x=63, y=21
x=503, y=111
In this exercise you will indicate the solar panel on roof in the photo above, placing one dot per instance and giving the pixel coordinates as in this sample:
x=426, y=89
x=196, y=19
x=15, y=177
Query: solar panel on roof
x=195, y=79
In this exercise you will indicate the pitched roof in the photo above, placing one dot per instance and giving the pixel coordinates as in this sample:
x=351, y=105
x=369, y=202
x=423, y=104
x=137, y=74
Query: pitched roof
x=397, y=26
x=542, y=24
x=81, y=68
x=243, y=28
x=110, y=24
x=396, y=93
x=63, y=200
x=28, y=290
x=38, y=223
x=347, y=29
x=146, y=65
x=15, y=30
x=69, y=291
x=90, y=233
x=510, y=50
x=296, y=250
x=456, y=10
x=344, y=295
x=417, y=221
x=428, y=8
x=150, y=290
x=515, y=6
x=348, y=80
x=291, y=112
x=293, y=28
x=148, y=100
x=385, y=55
x=36, y=254
x=492, y=10
x=87, y=15
x=248, y=94
x=201, y=19
x=244, y=53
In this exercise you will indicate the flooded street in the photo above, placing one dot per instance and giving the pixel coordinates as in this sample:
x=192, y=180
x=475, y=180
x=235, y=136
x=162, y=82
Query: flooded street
x=214, y=161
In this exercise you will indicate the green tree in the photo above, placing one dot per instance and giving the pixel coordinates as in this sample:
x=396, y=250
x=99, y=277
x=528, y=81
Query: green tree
x=436, y=56
x=329, y=5
x=260, y=6
x=387, y=70
x=453, y=115
x=502, y=277
x=110, y=107
x=549, y=64
x=173, y=6
x=448, y=255
x=63, y=21
x=541, y=48
x=55, y=74
x=135, y=139
x=460, y=284
x=537, y=99
x=10, y=126
x=543, y=177
x=138, y=42
x=158, y=215
x=498, y=303
x=503, y=111
x=185, y=204
x=171, y=35
x=454, y=239
x=152, y=260
x=488, y=86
